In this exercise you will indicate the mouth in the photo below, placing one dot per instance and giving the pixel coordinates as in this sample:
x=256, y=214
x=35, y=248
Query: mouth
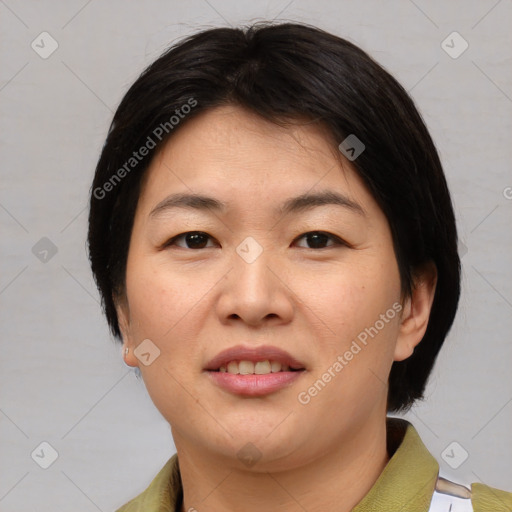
x=254, y=371
x=254, y=360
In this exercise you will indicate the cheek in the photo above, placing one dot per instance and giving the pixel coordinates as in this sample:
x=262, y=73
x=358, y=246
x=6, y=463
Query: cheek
x=161, y=308
x=358, y=307
x=160, y=298
x=352, y=297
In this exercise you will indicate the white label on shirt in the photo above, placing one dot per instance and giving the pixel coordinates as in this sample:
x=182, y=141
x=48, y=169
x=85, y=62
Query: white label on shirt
x=446, y=503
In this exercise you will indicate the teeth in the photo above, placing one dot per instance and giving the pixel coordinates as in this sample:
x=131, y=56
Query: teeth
x=245, y=367
x=275, y=366
x=262, y=367
x=250, y=368
x=233, y=367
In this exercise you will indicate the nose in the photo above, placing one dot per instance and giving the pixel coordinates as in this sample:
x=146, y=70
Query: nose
x=256, y=292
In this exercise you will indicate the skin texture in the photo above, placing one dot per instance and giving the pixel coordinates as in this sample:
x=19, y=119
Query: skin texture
x=312, y=302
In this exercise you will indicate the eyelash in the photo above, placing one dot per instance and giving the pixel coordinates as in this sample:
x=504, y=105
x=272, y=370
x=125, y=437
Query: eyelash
x=337, y=241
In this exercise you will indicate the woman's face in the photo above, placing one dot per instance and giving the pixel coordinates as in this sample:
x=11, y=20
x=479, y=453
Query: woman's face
x=260, y=276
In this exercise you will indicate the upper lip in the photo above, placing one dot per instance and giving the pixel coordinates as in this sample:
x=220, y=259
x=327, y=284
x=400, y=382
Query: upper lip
x=254, y=354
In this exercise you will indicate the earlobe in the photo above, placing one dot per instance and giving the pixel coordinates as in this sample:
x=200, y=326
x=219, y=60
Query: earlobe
x=129, y=357
x=416, y=312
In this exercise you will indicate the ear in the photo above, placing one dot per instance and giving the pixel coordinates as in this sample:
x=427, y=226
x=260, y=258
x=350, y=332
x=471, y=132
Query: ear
x=416, y=311
x=123, y=319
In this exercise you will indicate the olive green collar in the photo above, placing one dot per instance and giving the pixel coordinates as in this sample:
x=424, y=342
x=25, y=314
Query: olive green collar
x=409, y=478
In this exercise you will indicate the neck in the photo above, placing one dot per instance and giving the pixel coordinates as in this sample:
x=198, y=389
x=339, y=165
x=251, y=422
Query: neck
x=336, y=480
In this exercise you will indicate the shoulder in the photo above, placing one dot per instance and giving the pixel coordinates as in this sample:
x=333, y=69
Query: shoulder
x=486, y=498
x=162, y=494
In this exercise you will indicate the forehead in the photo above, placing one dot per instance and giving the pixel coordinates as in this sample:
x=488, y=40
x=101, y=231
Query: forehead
x=236, y=134
x=228, y=151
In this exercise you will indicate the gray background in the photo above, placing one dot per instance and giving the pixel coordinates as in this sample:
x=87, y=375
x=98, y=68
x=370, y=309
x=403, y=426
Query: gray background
x=63, y=380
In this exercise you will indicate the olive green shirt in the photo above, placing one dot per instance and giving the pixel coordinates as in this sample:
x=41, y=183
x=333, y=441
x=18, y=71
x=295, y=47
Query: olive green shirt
x=407, y=483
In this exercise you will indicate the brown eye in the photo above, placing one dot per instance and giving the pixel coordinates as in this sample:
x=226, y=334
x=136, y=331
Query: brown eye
x=192, y=240
x=319, y=239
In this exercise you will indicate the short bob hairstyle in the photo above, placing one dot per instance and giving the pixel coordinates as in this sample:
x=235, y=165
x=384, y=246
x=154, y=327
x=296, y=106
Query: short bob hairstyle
x=284, y=73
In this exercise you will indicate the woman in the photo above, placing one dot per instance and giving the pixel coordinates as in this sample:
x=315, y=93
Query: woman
x=275, y=245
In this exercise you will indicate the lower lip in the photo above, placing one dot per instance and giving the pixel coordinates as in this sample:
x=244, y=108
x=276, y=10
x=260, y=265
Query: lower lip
x=254, y=385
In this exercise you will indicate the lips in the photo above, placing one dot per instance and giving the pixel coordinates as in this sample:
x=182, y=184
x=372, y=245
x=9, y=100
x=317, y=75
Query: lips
x=231, y=370
x=254, y=354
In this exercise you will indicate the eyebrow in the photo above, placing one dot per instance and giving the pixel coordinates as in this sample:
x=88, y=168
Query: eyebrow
x=297, y=204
